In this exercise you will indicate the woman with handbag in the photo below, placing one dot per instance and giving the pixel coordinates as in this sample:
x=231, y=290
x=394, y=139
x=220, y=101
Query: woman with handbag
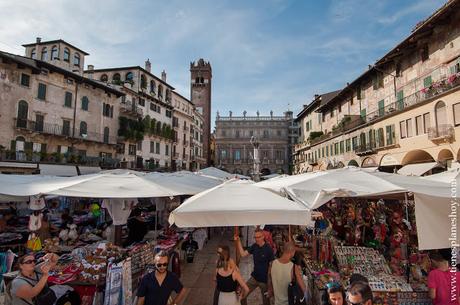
x=30, y=286
x=228, y=277
x=285, y=281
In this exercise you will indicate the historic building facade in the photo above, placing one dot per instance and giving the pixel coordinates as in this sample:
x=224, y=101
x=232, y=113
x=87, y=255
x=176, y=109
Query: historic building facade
x=145, y=135
x=403, y=110
x=200, y=95
x=275, y=134
x=49, y=112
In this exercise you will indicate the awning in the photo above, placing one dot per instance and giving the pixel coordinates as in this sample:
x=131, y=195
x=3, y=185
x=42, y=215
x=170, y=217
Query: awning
x=86, y=170
x=58, y=170
x=18, y=165
x=417, y=169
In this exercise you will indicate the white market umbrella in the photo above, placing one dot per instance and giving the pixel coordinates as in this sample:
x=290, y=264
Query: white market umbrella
x=220, y=174
x=450, y=176
x=432, y=198
x=183, y=182
x=115, y=184
x=30, y=185
x=238, y=203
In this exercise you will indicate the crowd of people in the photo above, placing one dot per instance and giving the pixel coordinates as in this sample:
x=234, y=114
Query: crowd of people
x=272, y=276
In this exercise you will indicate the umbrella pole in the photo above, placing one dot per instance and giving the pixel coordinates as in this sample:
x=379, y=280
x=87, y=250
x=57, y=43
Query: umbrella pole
x=237, y=252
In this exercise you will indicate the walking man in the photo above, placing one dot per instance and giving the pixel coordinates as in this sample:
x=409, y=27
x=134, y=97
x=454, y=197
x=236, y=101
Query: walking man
x=282, y=271
x=262, y=255
x=156, y=287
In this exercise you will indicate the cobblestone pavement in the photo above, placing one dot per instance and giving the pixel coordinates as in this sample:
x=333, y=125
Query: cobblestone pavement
x=198, y=276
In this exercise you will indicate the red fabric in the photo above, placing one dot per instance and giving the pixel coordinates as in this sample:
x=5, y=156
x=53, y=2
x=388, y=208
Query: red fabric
x=441, y=281
x=86, y=294
x=269, y=240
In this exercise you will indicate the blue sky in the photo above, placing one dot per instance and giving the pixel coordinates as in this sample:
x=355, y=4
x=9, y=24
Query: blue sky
x=265, y=54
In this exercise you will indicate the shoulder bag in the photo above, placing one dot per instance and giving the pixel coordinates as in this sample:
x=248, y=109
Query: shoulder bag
x=45, y=297
x=295, y=293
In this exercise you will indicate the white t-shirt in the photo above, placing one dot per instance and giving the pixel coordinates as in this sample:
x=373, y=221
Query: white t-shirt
x=281, y=277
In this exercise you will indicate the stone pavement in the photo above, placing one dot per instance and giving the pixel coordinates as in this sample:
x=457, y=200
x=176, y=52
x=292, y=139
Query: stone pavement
x=198, y=277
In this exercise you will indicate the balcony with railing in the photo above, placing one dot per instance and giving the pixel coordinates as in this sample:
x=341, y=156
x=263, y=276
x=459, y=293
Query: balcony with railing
x=443, y=132
x=365, y=149
x=312, y=161
x=62, y=130
x=437, y=88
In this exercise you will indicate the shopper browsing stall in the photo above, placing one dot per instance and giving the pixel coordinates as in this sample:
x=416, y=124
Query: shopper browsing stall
x=440, y=281
x=156, y=287
x=30, y=286
x=262, y=255
x=334, y=295
x=227, y=278
x=137, y=227
x=360, y=293
x=282, y=272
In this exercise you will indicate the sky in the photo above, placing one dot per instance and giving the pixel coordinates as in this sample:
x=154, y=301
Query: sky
x=265, y=54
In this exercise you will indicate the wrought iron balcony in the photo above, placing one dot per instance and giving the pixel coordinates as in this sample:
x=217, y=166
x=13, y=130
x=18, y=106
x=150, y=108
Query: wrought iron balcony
x=62, y=130
x=365, y=149
x=441, y=132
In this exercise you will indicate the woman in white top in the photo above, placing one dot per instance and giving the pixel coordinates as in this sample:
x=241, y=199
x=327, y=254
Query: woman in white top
x=281, y=274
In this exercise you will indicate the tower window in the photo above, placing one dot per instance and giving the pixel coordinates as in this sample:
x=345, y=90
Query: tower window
x=66, y=56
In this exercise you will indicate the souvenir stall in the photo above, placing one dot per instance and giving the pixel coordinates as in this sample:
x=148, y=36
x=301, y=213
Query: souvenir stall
x=374, y=238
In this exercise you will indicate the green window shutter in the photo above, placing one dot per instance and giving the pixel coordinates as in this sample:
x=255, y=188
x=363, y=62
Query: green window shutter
x=400, y=100
x=427, y=81
x=41, y=91
x=84, y=103
x=363, y=113
x=28, y=146
x=13, y=145
x=381, y=107
x=452, y=70
x=68, y=99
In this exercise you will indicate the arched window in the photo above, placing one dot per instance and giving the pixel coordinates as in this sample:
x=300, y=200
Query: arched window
x=160, y=91
x=152, y=86
x=83, y=129
x=168, y=94
x=104, y=78
x=143, y=82
x=23, y=111
x=76, y=59
x=84, y=103
x=54, y=53
x=33, y=54
x=116, y=78
x=106, y=135
x=129, y=76
x=44, y=54
x=440, y=114
x=66, y=56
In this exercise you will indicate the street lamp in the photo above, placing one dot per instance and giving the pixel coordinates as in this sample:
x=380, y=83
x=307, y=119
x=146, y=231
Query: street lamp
x=255, y=144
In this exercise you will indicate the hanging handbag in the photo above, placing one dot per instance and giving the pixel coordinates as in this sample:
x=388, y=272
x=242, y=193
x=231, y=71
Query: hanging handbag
x=295, y=293
x=45, y=297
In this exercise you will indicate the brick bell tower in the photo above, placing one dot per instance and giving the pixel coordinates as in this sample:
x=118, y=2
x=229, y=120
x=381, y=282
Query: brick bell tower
x=200, y=93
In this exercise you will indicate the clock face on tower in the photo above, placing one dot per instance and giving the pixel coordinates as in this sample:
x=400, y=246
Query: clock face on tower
x=197, y=94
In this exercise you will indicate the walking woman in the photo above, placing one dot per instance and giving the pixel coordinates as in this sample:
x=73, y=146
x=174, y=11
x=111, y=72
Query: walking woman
x=228, y=277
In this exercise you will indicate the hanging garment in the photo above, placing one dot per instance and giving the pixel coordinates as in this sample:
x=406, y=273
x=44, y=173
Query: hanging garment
x=35, y=222
x=36, y=203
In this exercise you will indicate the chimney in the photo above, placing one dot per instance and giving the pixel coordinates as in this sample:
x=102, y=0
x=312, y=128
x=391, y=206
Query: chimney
x=163, y=76
x=38, y=40
x=148, y=66
x=90, y=67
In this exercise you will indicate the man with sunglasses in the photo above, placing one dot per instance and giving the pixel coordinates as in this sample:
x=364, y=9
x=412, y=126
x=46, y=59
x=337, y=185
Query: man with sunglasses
x=262, y=255
x=360, y=293
x=156, y=287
